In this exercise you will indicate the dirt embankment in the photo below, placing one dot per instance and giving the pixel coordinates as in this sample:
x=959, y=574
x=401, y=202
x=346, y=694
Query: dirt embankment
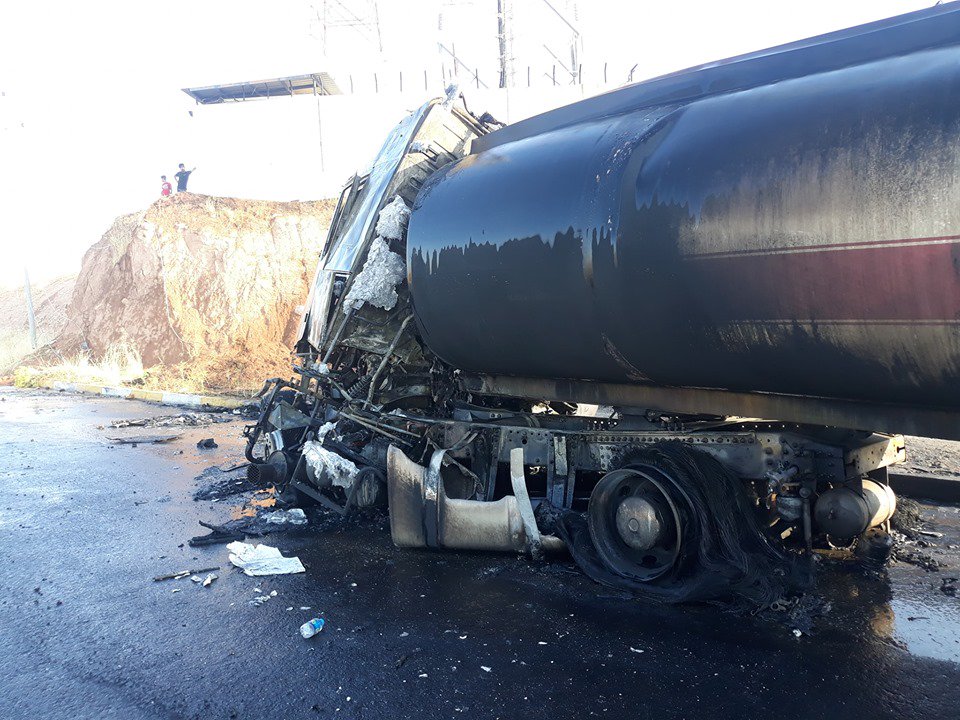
x=49, y=305
x=209, y=284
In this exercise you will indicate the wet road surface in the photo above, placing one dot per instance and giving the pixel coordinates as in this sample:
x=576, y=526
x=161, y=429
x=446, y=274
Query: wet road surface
x=85, y=633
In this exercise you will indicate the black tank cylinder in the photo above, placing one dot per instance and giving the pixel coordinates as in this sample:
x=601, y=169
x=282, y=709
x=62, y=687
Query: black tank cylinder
x=800, y=236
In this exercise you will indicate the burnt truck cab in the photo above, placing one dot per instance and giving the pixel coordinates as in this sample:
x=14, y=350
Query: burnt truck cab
x=596, y=331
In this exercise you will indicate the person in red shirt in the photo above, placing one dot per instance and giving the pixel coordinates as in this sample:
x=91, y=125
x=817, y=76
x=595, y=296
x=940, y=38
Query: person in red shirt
x=165, y=187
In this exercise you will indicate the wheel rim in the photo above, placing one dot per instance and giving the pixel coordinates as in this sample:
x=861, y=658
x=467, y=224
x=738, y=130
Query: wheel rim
x=635, y=523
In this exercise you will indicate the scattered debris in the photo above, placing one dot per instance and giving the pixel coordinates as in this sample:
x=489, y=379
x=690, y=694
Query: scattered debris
x=262, y=560
x=207, y=444
x=632, y=649
x=182, y=420
x=311, y=627
x=261, y=599
x=176, y=590
x=902, y=553
x=485, y=668
x=797, y=633
x=402, y=660
x=144, y=439
x=196, y=578
x=208, y=580
x=801, y=612
x=908, y=518
x=907, y=525
x=184, y=573
x=218, y=534
x=294, y=516
x=218, y=484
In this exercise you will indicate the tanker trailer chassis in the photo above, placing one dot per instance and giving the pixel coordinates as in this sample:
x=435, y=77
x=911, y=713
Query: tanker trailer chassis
x=482, y=473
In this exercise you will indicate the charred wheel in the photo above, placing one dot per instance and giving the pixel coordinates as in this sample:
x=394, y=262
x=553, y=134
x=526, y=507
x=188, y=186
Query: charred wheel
x=634, y=517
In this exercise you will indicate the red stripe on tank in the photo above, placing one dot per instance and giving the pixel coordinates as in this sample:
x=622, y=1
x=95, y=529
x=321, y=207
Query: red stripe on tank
x=912, y=282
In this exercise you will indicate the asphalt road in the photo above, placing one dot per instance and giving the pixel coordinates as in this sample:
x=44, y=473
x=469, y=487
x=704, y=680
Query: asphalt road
x=85, y=632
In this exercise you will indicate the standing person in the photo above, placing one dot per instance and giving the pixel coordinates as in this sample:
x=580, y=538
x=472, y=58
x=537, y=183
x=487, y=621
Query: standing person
x=165, y=187
x=182, y=178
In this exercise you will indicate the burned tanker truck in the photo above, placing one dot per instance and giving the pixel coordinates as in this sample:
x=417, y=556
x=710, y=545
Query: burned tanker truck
x=674, y=329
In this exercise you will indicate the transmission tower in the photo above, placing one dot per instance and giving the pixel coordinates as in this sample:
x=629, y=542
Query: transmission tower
x=359, y=17
x=567, y=13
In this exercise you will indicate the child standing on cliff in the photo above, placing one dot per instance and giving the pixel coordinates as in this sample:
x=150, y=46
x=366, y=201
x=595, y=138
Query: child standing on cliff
x=165, y=187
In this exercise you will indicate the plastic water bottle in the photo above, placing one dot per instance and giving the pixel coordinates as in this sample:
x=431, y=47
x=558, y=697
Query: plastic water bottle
x=309, y=629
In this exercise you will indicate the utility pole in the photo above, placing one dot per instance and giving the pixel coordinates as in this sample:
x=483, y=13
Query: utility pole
x=319, y=126
x=30, y=316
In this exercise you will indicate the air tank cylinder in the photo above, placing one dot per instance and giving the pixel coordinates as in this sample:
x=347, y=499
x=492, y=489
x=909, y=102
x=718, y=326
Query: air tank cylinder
x=845, y=512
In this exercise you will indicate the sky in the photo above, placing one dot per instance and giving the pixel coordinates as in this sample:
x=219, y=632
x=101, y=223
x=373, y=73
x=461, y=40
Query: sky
x=92, y=113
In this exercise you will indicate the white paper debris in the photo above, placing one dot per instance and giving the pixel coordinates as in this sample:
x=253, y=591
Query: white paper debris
x=636, y=650
x=376, y=283
x=208, y=580
x=196, y=578
x=324, y=463
x=262, y=560
x=294, y=516
x=261, y=599
x=485, y=668
x=392, y=223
